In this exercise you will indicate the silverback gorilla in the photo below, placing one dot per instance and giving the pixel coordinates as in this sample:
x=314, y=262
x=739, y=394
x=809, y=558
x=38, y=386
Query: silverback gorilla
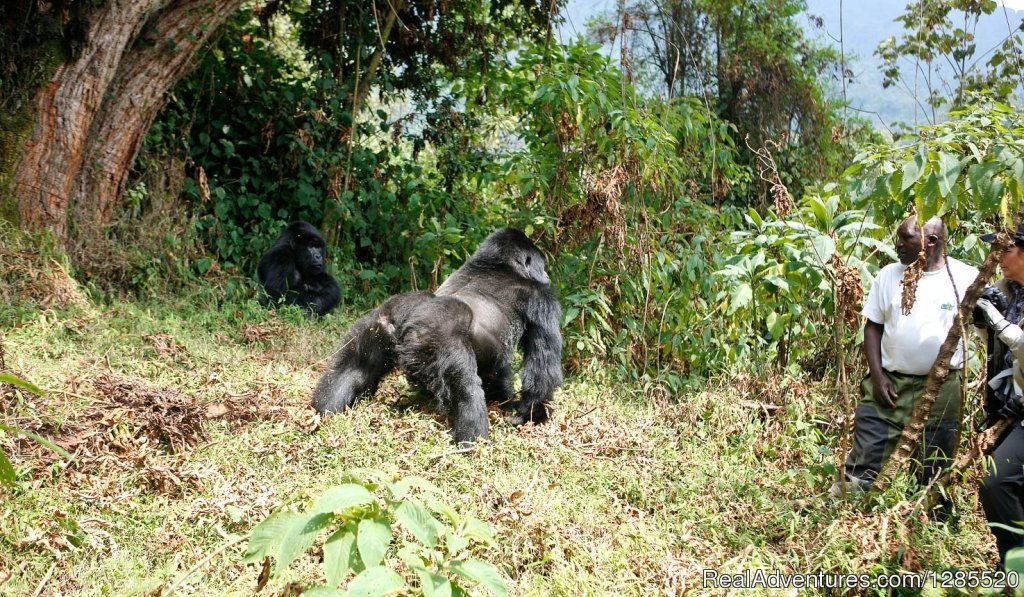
x=292, y=270
x=458, y=342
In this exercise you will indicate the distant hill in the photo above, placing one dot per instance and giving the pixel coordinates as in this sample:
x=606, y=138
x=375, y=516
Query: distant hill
x=865, y=23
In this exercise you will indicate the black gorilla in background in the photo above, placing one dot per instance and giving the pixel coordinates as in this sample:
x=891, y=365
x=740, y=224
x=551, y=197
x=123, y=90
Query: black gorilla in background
x=293, y=271
x=458, y=343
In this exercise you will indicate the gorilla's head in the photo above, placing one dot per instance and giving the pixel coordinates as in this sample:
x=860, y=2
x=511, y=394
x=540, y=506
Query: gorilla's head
x=308, y=246
x=512, y=248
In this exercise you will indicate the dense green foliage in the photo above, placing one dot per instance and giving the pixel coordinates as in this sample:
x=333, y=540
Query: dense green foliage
x=969, y=168
x=492, y=123
x=596, y=168
x=275, y=136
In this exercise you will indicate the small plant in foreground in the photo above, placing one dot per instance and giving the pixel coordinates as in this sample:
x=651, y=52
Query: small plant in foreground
x=359, y=519
x=8, y=476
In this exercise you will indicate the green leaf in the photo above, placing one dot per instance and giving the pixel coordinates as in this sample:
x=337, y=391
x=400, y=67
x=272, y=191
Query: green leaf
x=13, y=430
x=774, y=323
x=340, y=554
x=483, y=573
x=267, y=537
x=375, y=581
x=987, y=188
x=755, y=218
x=434, y=585
x=342, y=497
x=402, y=487
x=203, y=265
x=454, y=541
x=824, y=247
x=7, y=474
x=777, y=282
x=444, y=509
x=21, y=383
x=412, y=555
x=1013, y=162
x=1016, y=169
x=912, y=169
x=418, y=520
x=373, y=539
x=740, y=297
x=1015, y=560
x=299, y=537
x=927, y=200
x=474, y=528
x=949, y=169
x=819, y=211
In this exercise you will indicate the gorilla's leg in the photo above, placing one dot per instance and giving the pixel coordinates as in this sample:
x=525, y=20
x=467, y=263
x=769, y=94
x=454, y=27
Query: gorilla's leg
x=366, y=355
x=498, y=386
x=434, y=348
x=468, y=412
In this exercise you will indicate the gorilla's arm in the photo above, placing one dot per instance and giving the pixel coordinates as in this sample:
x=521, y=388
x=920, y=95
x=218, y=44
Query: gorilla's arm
x=277, y=271
x=542, y=354
x=319, y=294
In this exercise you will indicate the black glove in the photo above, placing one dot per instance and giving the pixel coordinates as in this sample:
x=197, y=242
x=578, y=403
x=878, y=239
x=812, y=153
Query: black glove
x=1013, y=408
x=995, y=296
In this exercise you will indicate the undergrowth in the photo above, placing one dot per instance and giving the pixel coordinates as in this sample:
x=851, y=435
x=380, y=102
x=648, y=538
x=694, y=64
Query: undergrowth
x=189, y=421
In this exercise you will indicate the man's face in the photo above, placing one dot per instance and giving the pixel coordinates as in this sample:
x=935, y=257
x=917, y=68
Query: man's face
x=908, y=242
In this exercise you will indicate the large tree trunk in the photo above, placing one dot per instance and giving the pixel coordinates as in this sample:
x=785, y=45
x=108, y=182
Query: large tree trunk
x=113, y=89
x=146, y=74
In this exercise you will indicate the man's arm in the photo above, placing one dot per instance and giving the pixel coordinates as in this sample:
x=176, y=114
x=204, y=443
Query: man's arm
x=885, y=391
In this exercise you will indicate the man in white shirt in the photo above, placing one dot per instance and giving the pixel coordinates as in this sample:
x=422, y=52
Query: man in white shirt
x=901, y=349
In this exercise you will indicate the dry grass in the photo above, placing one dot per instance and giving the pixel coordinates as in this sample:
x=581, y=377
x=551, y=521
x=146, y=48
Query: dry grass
x=188, y=427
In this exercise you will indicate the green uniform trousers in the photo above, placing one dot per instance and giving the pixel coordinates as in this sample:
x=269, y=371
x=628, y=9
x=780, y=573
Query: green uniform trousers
x=877, y=429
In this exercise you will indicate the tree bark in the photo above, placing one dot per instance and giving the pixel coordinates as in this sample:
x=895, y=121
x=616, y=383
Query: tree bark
x=146, y=74
x=112, y=89
x=911, y=436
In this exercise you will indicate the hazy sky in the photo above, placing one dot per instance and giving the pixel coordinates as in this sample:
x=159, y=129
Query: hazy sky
x=579, y=10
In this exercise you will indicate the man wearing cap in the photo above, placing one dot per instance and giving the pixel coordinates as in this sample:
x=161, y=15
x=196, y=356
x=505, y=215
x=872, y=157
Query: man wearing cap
x=1000, y=490
x=900, y=351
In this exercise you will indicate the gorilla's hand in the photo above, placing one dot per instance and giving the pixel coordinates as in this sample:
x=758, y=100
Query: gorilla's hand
x=1012, y=408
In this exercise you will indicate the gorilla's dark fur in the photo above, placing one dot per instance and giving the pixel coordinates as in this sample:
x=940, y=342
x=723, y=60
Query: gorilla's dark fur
x=293, y=271
x=458, y=343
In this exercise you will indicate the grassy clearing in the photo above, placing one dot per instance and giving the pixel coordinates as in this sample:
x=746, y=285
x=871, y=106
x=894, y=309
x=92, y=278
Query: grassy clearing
x=190, y=424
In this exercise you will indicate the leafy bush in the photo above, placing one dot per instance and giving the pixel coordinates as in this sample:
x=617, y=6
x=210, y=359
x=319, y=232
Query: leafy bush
x=784, y=275
x=367, y=524
x=285, y=145
x=968, y=169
